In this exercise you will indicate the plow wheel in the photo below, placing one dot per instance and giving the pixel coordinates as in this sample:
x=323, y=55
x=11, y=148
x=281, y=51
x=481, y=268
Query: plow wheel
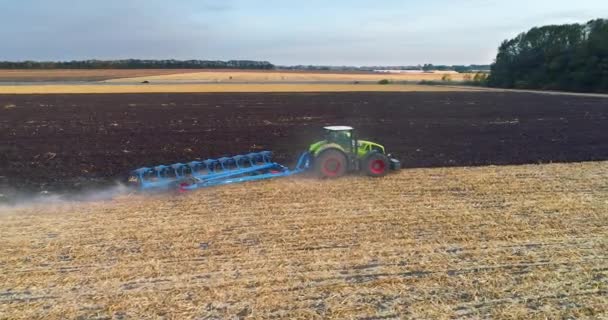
x=376, y=164
x=183, y=184
x=331, y=164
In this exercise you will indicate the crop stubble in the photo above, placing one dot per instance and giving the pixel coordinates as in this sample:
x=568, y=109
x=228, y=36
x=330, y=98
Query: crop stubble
x=282, y=76
x=513, y=242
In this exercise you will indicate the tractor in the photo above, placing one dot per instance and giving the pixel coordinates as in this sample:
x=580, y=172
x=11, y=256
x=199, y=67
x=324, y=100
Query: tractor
x=341, y=152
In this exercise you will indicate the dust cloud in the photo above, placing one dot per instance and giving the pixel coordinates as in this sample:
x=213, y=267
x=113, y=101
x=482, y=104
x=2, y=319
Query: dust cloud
x=10, y=201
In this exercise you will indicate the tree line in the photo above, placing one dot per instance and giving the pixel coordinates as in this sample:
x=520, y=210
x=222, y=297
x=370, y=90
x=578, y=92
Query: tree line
x=426, y=67
x=458, y=68
x=571, y=57
x=137, y=64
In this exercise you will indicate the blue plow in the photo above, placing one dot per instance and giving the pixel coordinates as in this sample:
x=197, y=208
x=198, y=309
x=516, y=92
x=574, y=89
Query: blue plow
x=214, y=172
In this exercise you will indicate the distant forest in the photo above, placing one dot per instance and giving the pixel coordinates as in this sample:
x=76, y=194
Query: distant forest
x=571, y=57
x=206, y=64
x=138, y=64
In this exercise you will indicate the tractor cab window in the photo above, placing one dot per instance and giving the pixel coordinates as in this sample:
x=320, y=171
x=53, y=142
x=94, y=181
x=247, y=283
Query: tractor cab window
x=342, y=138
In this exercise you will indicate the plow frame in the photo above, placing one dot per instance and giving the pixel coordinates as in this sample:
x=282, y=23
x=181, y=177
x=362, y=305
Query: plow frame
x=214, y=172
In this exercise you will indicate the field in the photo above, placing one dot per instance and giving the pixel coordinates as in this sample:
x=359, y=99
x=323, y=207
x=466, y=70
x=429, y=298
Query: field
x=81, y=75
x=191, y=81
x=450, y=236
x=54, y=142
x=167, y=87
x=290, y=76
x=517, y=242
x=178, y=76
x=197, y=80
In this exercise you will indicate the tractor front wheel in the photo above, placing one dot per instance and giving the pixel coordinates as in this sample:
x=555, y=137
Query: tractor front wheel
x=331, y=164
x=376, y=164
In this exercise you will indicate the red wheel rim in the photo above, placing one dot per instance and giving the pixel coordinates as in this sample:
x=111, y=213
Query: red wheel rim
x=377, y=166
x=182, y=187
x=331, y=167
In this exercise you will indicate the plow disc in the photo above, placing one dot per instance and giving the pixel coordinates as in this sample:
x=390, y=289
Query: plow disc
x=213, y=172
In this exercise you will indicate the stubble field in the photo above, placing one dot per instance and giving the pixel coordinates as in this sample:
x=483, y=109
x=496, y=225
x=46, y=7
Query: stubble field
x=201, y=80
x=524, y=242
x=168, y=87
x=226, y=76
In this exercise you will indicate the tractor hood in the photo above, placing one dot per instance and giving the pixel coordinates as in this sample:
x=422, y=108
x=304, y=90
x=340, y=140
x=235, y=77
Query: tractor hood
x=362, y=144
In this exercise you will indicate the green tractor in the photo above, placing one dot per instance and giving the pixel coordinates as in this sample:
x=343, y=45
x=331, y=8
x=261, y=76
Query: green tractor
x=342, y=152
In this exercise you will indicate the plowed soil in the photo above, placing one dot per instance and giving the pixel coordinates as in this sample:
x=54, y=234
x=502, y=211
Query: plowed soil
x=52, y=142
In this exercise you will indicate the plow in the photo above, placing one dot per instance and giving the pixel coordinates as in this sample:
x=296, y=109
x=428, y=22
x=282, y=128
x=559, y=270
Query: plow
x=338, y=154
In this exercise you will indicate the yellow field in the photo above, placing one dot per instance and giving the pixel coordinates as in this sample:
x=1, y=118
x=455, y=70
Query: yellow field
x=517, y=242
x=83, y=74
x=180, y=81
x=265, y=76
x=184, y=88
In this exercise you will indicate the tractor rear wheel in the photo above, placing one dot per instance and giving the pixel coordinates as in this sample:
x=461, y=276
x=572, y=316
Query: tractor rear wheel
x=376, y=164
x=331, y=163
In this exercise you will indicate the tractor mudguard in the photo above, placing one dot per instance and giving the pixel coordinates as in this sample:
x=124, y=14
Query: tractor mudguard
x=321, y=146
x=365, y=146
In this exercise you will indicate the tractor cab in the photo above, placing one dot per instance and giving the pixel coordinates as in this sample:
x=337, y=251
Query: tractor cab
x=341, y=135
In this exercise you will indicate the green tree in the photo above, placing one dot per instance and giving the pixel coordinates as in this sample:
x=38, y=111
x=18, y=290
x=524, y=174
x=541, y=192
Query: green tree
x=561, y=57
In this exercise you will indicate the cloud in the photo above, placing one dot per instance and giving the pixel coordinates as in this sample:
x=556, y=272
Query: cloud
x=102, y=30
x=342, y=32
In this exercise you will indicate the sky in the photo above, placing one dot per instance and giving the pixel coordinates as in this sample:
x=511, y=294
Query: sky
x=284, y=32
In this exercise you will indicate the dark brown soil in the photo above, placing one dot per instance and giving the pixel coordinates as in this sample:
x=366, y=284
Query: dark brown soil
x=50, y=142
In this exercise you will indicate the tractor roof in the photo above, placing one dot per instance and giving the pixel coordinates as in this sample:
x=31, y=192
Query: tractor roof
x=338, y=128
